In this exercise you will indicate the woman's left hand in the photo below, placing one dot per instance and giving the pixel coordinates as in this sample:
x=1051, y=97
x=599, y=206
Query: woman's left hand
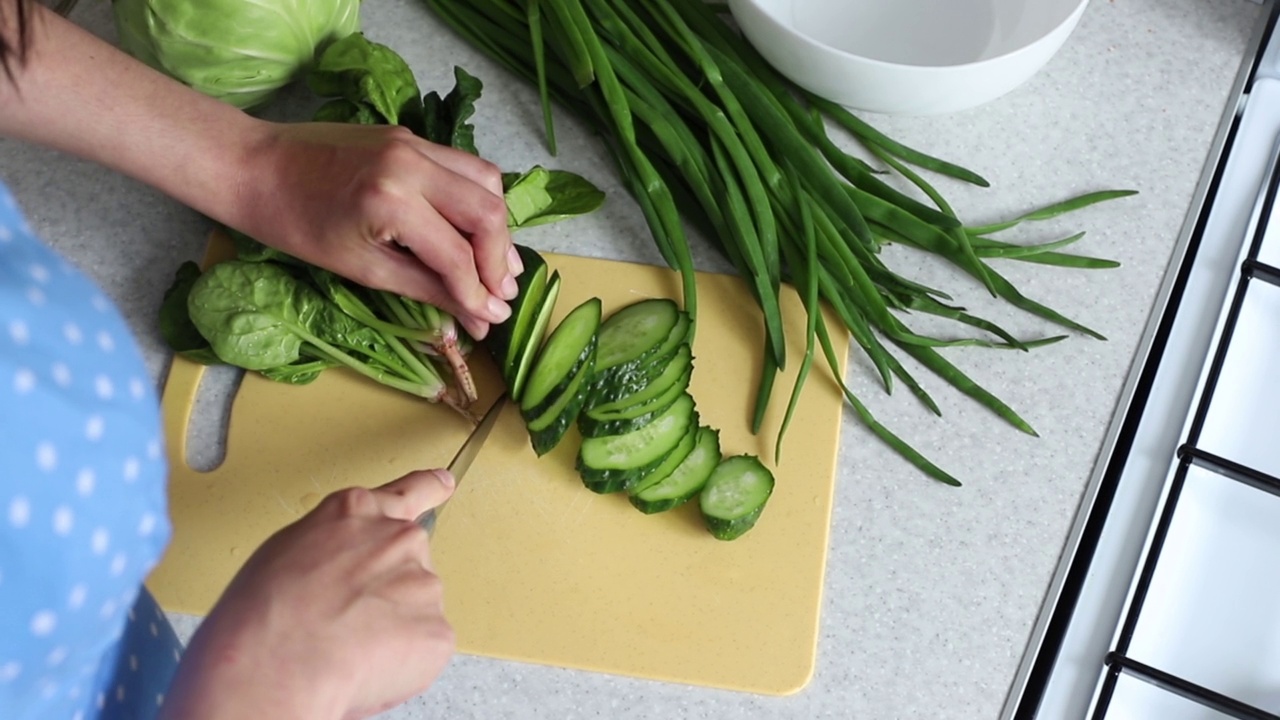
x=387, y=209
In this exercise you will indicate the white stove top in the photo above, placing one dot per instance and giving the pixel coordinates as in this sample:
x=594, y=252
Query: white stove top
x=1167, y=602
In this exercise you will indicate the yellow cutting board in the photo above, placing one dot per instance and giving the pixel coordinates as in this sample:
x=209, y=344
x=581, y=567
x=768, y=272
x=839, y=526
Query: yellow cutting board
x=536, y=567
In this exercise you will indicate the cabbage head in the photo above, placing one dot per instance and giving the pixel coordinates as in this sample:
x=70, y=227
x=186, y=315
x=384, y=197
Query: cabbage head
x=239, y=51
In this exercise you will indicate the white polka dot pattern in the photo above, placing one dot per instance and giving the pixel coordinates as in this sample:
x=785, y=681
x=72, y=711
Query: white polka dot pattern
x=82, y=506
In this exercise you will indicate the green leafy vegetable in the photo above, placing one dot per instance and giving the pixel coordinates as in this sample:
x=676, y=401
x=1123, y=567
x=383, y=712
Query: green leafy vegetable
x=236, y=51
x=342, y=110
x=445, y=119
x=540, y=196
x=175, y=321
x=368, y=73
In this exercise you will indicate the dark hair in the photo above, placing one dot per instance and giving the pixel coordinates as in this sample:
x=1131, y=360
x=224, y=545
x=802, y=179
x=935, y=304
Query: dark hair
x=13, y=41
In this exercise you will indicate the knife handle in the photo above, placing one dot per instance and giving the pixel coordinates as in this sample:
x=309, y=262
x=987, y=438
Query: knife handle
x=427, y=520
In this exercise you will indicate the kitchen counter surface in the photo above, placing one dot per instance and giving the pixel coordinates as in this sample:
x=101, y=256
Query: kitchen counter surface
x=931, y=592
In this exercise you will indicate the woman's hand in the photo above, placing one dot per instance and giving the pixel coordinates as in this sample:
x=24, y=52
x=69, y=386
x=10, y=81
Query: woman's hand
x=386, y=209
x=339, y=615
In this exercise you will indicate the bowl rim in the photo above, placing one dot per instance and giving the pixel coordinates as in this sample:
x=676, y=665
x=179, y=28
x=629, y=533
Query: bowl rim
x=809, y=40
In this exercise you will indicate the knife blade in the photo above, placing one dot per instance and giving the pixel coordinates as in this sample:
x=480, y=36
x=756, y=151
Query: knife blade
x=465, y=456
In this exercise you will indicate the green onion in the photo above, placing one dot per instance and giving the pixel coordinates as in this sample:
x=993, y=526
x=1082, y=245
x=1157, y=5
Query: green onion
x=705, y=132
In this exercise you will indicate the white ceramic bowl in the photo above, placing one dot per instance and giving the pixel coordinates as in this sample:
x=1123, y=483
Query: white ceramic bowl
x=908, y=57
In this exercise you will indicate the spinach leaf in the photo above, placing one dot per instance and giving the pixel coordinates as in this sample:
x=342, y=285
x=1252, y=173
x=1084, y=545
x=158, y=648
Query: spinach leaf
x=362, y=71
x=252, y=313
x=342, y=110
x=541, y=196
x=175, y=322
x=445, y=119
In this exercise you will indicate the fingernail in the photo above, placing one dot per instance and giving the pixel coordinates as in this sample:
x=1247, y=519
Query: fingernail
x=509, y=288
x=514, y=263
x=446, y=478
x=498, y=309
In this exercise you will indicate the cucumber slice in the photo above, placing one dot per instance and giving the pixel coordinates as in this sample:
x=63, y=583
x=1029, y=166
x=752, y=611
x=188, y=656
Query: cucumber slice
x=635, y=332
x=547, y=430
x=650, y=364
x=609, y=463
x=533, y=342
x=734, y=496
x=670, y=395
x=668, y=466
x=570, y=345
x=508, y=337
x=686, y=480
x=598, y=424
x=609, y=397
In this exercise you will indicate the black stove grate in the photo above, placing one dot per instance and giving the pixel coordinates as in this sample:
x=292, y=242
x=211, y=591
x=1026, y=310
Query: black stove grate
x=1118, y=662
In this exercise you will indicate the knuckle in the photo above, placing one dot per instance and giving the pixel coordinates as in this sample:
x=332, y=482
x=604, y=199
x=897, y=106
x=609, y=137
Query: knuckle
x=492, y=210
x=399, y=133
x=352, y=501
x=377, y=193
x=491, y=175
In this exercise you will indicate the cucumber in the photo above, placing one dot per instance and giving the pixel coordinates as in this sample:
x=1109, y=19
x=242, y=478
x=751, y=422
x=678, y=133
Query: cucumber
x=519, y=370
x=649, y=364
x=668, y=466
x=618, y=395
x=612, y=462
x=685, y=481
x=735, y=495
x=629, y=412
x=593, y=423
x=636, y=332
x=506, y=338
x=569, y=346
x=546, y=430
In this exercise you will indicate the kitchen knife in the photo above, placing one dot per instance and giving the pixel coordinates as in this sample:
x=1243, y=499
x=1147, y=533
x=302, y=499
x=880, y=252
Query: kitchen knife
x=463, y=459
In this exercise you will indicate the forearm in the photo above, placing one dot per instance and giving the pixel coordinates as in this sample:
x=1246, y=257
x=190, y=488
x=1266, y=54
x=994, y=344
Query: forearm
x=80, y=95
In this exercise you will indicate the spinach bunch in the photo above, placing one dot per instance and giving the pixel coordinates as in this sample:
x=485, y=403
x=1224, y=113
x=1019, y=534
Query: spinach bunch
x=268, y=312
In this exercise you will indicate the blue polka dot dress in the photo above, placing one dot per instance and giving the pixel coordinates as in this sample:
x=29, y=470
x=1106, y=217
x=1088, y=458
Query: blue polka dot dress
x=82, y=506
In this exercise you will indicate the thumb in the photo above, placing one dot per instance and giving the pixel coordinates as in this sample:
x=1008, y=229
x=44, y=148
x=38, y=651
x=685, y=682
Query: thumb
x=410, y=495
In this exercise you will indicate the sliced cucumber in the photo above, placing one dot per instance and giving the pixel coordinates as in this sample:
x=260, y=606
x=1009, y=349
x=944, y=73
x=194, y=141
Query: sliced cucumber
x=593, y=416
x=596, y=424
x=668, y=466
x=735, y=495
x=612, y=462
x=685, y=481
x=650, y=364
x=616, y=396
x=547, y=430
x=571, y=344
x=635, y=332
x=533, y=341
x=507, y=338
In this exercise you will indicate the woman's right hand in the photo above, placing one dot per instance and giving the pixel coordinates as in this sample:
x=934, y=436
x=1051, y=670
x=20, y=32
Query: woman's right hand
x=339, y=615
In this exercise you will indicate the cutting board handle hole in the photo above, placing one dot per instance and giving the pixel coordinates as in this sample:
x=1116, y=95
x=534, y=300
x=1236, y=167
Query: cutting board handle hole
x=211, y=417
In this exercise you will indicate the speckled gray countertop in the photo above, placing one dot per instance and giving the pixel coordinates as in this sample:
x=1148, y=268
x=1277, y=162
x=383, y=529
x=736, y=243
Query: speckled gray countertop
x=931, y=592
